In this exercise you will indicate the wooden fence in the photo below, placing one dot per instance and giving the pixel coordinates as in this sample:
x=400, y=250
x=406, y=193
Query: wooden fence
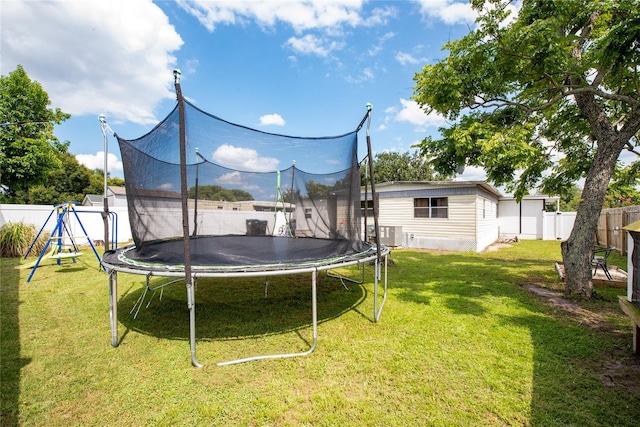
x=610, y=223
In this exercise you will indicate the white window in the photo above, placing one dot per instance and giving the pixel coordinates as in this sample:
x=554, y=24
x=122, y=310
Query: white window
x=431, y=207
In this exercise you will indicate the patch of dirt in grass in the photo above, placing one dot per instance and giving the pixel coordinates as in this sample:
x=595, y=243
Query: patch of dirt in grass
x=624, y=374
x=583, y=316
x=620, y=368
x=496, y=247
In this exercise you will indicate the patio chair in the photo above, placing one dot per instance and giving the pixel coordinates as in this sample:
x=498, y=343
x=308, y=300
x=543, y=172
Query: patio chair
x=599, y=259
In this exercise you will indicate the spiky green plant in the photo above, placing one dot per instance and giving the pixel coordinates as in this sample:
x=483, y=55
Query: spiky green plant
x=16, y=238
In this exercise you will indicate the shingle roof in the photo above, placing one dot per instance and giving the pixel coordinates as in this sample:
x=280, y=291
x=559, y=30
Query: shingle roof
x=117, y=190
x=94, y=198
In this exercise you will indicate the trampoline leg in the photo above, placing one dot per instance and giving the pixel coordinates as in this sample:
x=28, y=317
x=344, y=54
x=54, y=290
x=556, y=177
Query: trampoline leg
x=113, y=306
x=377, y=310
x=314, y=310
x=314, y=321
x=191, y=301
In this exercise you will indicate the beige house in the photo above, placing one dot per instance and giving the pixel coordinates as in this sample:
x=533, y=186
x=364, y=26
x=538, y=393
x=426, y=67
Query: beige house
x=446, y=215
x=116, y=196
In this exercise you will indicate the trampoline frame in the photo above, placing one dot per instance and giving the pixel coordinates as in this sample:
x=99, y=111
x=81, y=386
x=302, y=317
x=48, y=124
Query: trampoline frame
x=379, y=258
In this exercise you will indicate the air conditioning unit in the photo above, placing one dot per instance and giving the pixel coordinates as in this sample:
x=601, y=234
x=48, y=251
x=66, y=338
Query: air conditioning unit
x=390, y=235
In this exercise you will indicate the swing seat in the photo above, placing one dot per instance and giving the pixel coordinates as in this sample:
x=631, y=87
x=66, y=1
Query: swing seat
x=66, y=255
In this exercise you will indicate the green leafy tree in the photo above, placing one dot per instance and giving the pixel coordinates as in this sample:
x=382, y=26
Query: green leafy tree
x=394, y=166
x=291, y=196
x=97, y=181
x=571, y=199
x=561, y=77
x=316, y=190
x=27, y=151
x=623, y=189
x=215, y=192
x=115, y=181
x=69, y=182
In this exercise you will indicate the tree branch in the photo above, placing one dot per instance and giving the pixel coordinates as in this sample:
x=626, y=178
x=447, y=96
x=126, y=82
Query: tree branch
x=588, y=28
x=563, y=93
x=631, y=148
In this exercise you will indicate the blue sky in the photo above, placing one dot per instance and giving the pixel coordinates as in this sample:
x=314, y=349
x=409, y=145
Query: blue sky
x=304, y=68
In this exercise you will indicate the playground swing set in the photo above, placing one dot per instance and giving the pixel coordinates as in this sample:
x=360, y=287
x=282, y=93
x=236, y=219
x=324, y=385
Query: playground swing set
x=62, y=242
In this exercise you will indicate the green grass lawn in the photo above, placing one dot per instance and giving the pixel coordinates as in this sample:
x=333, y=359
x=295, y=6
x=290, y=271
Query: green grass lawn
x=461, y=342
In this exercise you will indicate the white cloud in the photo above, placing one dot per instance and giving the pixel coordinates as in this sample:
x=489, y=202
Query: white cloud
x=327, y=17
x=96, y=161
x=412, y=113
x=272, y=119
x=235, y=179
x=380, y=16
x=244, y=159
x=309, y=44
x=300, y=15
x=365, y=75
x=191, y=66
x=407, y=59
x=449, y=11
x=472, y=173
x=113, y=57
x=460, y=11
x=167, y=186
x=231, y=178
x=376, y=49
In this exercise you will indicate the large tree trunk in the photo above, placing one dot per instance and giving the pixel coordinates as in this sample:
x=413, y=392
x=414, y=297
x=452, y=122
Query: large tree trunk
x=577, y=250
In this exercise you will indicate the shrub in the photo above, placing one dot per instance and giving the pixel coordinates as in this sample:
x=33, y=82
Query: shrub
x=16, y=238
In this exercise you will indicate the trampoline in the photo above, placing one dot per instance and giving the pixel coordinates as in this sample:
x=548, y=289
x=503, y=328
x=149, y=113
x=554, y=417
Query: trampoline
x=209, y=198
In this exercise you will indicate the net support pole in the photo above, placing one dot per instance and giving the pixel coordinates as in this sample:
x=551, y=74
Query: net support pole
x=191, y=303
x=366, y=199
x=375, y=215
x=293, y=176
x=105, y=198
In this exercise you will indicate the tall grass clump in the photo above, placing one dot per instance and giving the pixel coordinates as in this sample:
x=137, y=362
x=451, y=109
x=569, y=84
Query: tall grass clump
x=16, y=237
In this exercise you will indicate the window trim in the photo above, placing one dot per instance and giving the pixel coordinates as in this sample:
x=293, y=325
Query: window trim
x=431, y=208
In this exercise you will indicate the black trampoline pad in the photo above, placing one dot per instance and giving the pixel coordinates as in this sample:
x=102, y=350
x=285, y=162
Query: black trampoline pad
x=237, y=253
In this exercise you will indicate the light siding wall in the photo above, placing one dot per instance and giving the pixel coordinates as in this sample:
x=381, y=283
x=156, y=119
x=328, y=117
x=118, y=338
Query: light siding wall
x=487, y=214
x=472, y=222
x=460, y=224
x=458, y=232
x=523, y=219
x=509, y=218
x=532, y=219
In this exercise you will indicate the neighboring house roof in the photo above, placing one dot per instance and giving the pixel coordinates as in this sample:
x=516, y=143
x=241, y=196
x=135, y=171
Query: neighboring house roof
x=93, y=198
x=117, y=190
x=439, y=184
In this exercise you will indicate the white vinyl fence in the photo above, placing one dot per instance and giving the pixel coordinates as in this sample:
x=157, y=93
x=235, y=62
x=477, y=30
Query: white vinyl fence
x=557, y=225
x=90, y=217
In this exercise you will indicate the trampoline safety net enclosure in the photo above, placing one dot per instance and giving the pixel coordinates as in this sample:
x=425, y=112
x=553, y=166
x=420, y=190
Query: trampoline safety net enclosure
x=207, y=197
x=241, y=182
